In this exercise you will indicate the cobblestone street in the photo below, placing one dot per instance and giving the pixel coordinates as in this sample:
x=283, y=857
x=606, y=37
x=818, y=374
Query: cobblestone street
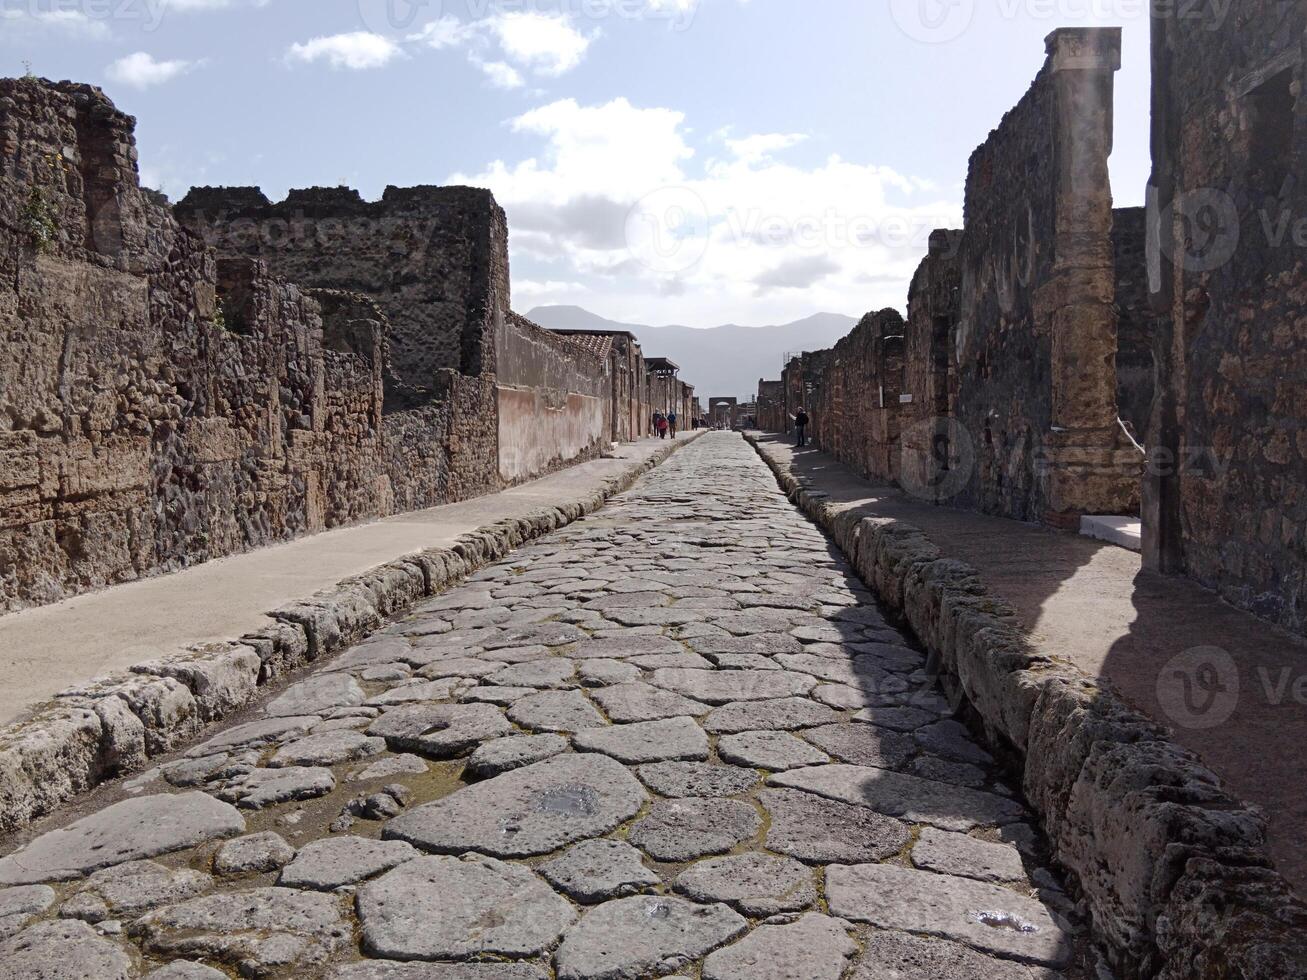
x=676, y=738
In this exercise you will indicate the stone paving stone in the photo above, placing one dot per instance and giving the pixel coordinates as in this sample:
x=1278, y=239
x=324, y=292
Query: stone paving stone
x=455, y=908
x=132, y=830
x=817, y=830
x=816, y=947
x=685, y=829
x=328, y=749
x=904, y=957
x=729, y=686
x=19, y=905
x=129, y=889
x=764, y=644
x=63, y=950
x=899, y=795
x=325, y=865
x=530, y=811
x=414, y=691
x=502, y=696
x=952, y=740
x=314, y=695
x=759, y=885
x=698, y=779
x=626, y=703
x=958, y=773
x=469, y=667
x=394, y=765
x=255, y=734
x=257, y=931
x=608, y=673
x=556, y=711
x=261, y=788
x=776, y=751
x=599, y=870
x=958, y=854
x=623, y=647
x=673, y=740
x=441, y=731
x=389, y=970
x=501, y=755
x=546, y=634
x=863, y=745
x=186, y=970
x=782, y=714
x=641, y=937
x=990, y=918
x=257, y=853
x=554, y=672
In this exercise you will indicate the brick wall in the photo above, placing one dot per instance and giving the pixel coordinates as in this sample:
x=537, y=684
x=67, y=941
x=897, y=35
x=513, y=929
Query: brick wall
x=1226, y=496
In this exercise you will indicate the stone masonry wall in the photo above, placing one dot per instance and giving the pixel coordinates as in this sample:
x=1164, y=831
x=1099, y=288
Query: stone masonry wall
x=1137, y=323
x=1226, y=494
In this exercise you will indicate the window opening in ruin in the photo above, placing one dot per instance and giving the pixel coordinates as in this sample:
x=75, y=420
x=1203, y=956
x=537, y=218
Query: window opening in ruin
x=1270, y=149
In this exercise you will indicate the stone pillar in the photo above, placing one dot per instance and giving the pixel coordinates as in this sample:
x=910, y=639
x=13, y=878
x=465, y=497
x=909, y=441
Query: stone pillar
x=1091, y=467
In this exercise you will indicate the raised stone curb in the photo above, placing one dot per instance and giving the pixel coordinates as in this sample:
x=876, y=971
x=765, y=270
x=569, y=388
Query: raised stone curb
x=113, y=725
x=1173, y=870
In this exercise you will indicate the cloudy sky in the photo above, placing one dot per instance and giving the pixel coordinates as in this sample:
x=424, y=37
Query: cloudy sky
x=661, y=161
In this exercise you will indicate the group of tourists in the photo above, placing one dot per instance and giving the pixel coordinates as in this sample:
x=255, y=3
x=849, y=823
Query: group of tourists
x=665, y=425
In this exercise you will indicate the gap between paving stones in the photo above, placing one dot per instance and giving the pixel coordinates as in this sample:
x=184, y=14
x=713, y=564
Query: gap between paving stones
x=1174, y=871
x=112, y=726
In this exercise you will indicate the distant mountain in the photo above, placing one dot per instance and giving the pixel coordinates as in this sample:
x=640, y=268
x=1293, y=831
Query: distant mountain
x=718, y=361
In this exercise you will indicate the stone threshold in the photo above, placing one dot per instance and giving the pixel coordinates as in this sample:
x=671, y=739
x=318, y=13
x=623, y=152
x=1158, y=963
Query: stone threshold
x=113, y=725
x=1174, y=872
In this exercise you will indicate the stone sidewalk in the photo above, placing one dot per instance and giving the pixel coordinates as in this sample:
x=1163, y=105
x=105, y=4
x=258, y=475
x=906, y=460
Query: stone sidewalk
x=677, y=737
x=1147, y=636
x=50, y=648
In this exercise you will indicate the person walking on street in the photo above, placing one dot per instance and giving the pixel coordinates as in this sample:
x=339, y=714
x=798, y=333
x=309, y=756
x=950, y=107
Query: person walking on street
x=671, y=423
x=801, y=427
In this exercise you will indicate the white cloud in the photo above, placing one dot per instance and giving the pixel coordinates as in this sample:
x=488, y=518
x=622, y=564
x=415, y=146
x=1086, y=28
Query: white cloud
x=500, y=73
x=546, y=43
x=357, y=50
x=70, y=23
x=141, y=70
x=447, y=32
x=735, y=233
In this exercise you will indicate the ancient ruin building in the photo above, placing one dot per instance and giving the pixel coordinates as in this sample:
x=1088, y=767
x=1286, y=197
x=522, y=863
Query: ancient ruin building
x=631, y=406
x=174, y=391
x=771, y=405
x=1226, y=490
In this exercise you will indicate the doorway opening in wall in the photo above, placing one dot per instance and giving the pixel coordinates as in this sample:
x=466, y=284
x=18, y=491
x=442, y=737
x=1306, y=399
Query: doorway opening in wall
x=1270, y=149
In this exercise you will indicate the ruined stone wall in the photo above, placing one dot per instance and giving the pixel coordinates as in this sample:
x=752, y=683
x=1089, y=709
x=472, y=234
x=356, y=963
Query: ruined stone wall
x=855, y=401
x=1137, y=322
x=554, y=400
x=771, y=405
x=158, y=407
x=1227, y=487
x=1036, y=341
x=935, y=453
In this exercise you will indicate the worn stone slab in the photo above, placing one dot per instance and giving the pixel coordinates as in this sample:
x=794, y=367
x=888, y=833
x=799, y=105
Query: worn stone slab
x=816, y=830
x=455, y=908
x=685, y=829
x=129, y=889
x=599, y=870
x=327, y=864
x=440, y=731
x=556, y=711
x=756, y=884
x=132, y=830
x=255, y=734
x=554, y=672
x=782, y=714
x=389, y=970
x=258, y=931
x=697, y=779
x=185, y=970
x=628, y=703
x=261, y=788
x=502, y=696
x=719, y=687
x=985, y=916
x=395, y=765
x=543, y=634
x=645, y=936
x=257, y=853
x=765, y=644
x=816, y=947
x=898, y=795
x=624, y=647
x=863, y=745
x=504, y=754
x=63, y=950
x=412, y=692
x=328, y=749
x=905, y=957
x=470, y=668
x=673, y=740
x=535, y=810
x=608, y=673
x=316, y=694
x=775, y=751
x=958, y=854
